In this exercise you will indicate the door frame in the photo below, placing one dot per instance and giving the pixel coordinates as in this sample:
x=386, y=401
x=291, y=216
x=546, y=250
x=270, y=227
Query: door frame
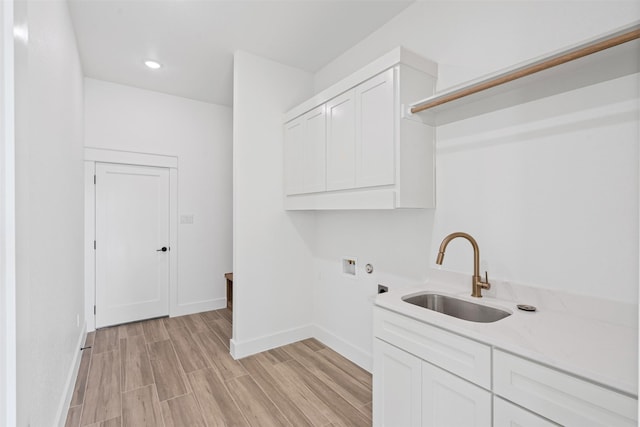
x=99, y=155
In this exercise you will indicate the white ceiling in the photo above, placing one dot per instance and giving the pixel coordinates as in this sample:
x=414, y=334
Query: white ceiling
x=195, y=40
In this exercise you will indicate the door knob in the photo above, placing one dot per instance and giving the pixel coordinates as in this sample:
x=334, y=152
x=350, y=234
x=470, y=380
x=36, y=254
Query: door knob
x=163, y=249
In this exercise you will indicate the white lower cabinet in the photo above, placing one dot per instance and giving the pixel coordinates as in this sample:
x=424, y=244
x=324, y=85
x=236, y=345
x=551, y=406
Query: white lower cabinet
x=449, y=401
x=396, y=386
x=424, y=375
x=506, y=414
x=560, y=397
x=408, y=391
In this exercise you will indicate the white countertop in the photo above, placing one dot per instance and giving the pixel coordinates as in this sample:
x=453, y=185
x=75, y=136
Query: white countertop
x=590, y=338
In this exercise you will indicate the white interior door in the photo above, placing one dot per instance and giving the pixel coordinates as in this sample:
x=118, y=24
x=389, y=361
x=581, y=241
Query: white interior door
x=132, y=243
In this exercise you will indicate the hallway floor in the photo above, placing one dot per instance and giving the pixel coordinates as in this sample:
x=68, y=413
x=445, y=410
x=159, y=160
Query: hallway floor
x=178, y=372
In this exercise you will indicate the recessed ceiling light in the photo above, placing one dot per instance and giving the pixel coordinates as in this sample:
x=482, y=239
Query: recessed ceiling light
x=154, y=65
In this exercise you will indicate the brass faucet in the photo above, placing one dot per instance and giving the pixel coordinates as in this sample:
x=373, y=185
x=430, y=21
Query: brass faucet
x=477, y=283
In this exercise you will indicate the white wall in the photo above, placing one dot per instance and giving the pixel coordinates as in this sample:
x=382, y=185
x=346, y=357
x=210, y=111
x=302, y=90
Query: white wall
x=7, y=221
x=395, y=243
x=554, y=197
x=549, y=189
x=471, y=38
x=49, y=212
x=124, y=118
x=272, y=262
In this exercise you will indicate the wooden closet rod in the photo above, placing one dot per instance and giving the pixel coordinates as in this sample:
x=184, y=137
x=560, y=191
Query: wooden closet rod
x=534, y=68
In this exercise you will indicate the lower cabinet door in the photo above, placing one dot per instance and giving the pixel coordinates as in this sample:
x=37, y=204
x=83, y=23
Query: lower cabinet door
x=450, y=401
x=560, y=397
x=396, y=386
x=506, y=414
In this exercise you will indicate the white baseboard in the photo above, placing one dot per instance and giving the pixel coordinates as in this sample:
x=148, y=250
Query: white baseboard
x=351, y=352
x=198, y=307
x=180, y=310
x=239, y=350
x=63, y=408
x=355, y=354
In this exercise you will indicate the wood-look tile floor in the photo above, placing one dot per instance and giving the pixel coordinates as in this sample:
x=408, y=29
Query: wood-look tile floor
x=178, y=372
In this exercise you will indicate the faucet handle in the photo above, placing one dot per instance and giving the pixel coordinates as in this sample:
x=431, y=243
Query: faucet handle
x=486, y=280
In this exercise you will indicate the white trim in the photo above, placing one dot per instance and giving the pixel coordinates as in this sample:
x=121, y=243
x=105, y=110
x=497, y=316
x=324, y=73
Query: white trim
x=93, y=155
x=383, y=197
x=354, y=354
x=129, y=158
x=239, y=350
x=69, y=385
x=8, y=339
x=173, y=242
x=346, y=349
x=198, y=307
x=89, y=237
x=399, y=55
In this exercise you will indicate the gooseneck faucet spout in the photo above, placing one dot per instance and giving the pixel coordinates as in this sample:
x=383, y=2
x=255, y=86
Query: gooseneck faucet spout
x=477, y=284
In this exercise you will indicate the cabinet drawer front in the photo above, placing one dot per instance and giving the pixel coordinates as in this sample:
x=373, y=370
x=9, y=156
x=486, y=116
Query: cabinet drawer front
x=506, y=414
x=560, y=397
x=464, y=357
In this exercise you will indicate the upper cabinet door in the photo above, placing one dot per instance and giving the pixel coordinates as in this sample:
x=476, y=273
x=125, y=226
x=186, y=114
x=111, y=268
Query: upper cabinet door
x=314, y=172
x=294, y=156
x=375, y=131
x=341, y=141
x=304, y=153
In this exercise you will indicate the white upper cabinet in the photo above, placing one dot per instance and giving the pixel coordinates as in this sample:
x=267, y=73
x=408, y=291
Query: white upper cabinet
x=341, y=142
x=314, y=174
x=304, y=149
x=293, y=156
x=375, y=150
x=368, y=155
x=360, y=135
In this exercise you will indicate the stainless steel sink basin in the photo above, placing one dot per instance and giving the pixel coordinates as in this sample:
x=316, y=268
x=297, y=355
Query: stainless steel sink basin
x=457, y=308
